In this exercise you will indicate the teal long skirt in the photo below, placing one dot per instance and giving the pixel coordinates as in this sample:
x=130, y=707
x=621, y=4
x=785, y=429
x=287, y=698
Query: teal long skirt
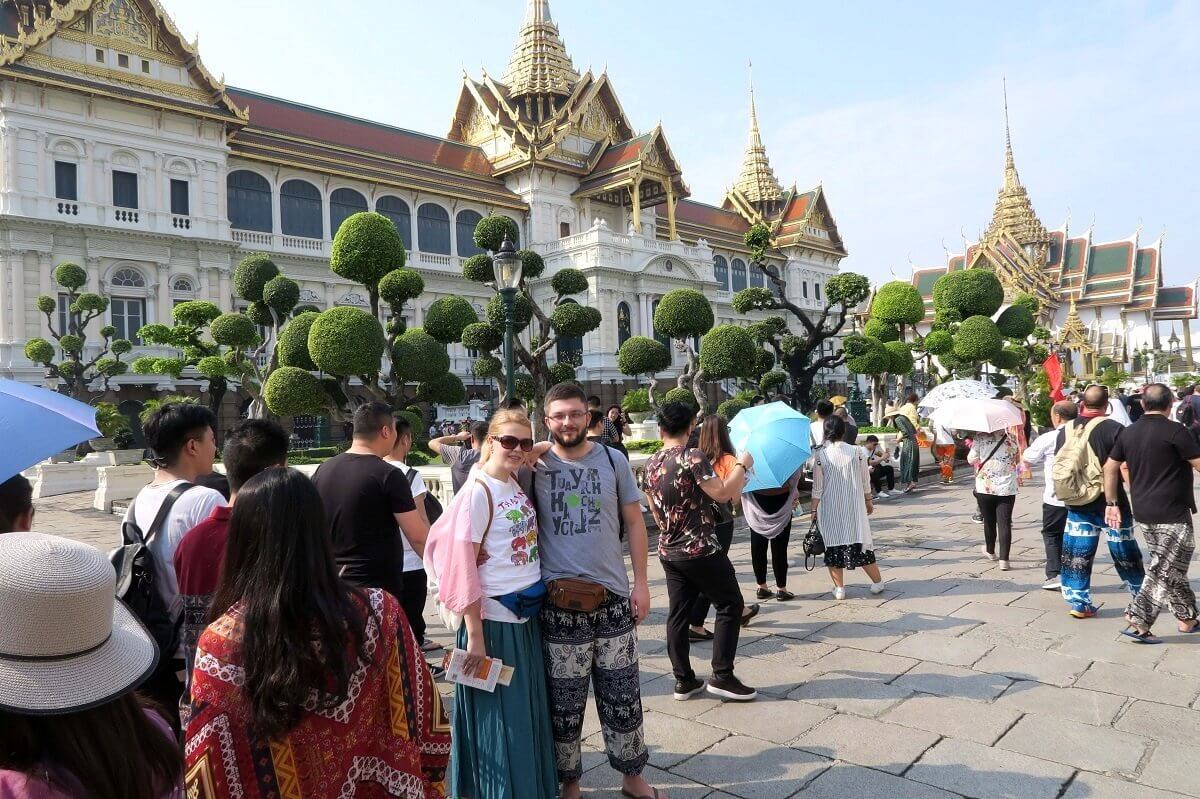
x=503, y=742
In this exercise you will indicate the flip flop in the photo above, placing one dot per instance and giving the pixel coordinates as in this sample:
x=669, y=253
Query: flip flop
x=655, y=795
x=1141, y=638
x=1195, y=629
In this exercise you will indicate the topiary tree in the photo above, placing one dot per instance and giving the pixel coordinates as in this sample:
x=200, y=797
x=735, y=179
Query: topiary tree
x=1026, y=345
x=71, y=362
x=684, y=315
x=876, y=360
x=731, y=408
x=366, y=248
x=545, y=329
x=963, y=338
x=728, y=351
x=800, y=352
x=900, y=307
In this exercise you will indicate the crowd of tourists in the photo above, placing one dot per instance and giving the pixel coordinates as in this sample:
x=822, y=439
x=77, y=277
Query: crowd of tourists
x=273, y=637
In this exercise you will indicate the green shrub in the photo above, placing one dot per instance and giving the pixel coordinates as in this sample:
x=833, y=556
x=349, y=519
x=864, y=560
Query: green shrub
x=195, y=313
x=532, y=265
x=483, y=336
x=419, y=357
x=281, y=294
x=70, y=276
x=977, y=338
x=293, y=342
x=479, y=269
x=640, y=355
x=900, y=358
x=644, y=446
x=971, y=292
x=212, y=367
x=866, y=355
x=40, y=351
x=636, y=401
x=879, y=329
x=400, y=285
x=1016, y=322
x=346, y=341
x=250, y=276
x=897, y=303
x=727, y=351
x=847, y=289
x=939, y=342
x=446, y=318
x=416, y=458
x=71, y=344
x=522, y=312
x=562, y=372
x=46, y=304
x=89, y=303
x=731, y=408
x=751, y=299
x=772, y=381
x=682, y=314
x=293, y=392
x=365, y=248
x=488, y=367
x=569, y=281
x=233, y=330
x=489, y=232
x=572, y=319
x=444, y=389
x=683, y=395
x=260, y=314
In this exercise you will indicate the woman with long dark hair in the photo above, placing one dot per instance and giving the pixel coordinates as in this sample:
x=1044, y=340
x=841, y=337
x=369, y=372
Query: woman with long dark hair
x=716, y=446
x=71, y=726
x=308, y=677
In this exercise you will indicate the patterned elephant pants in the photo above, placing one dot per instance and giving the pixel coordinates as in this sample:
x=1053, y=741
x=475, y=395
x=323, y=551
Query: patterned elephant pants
x=1080, y=541
x=600, y=646
x=1166, y=587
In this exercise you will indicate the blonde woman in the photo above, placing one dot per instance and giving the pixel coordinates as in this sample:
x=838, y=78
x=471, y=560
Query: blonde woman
x=503, y=742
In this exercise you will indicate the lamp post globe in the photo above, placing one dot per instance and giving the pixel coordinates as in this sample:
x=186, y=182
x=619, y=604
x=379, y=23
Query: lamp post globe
x=507, y=266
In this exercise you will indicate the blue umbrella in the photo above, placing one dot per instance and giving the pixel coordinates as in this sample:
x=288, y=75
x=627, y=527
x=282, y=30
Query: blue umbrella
x=36, y=423
x=777, y=436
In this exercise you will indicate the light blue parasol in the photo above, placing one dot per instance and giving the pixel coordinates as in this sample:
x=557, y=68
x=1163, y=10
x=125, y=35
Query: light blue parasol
x=777, y=436
x=36, y=423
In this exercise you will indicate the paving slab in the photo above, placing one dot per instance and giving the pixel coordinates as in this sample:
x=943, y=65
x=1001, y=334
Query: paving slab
x=863, y=665
x=1158, y=721
x=846, y=781
x=1077, y=704
x=1074, y=744
x=984, y=772
x=771, y=720
x=857, y=636
x=1183, y=660
x=953, y=651
x=1173, y=768
x=1108, y=645
x=769, y=677
x=943, y=680
x=752, y=768
x=867, y=742
x=954, y=718
x=928, y=622
x=850, y=695
x=996, y=613
x=1033, y=664
x=786, y=650
x=601, y=782
x=999, y=634
x=1095, y=786
x=1142, y=683
x=671, y=739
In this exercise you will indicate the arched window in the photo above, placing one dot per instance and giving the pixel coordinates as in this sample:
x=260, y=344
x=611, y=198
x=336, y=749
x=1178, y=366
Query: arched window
x=624, y=323
x=464, y=225
x=433, y=229
x=182, y=286
x=300, y=209
x=128, y=278
x=757, y=278
x=127, y=303
x=396, y=210
x=570, y=348
x=739, y=274
x=249, y=201
x=721, y=270
x=342, y=204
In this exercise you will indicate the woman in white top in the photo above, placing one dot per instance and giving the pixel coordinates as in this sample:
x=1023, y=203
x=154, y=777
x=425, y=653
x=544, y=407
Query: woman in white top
x=503, y=742
x=996, y=457
x=841, y=502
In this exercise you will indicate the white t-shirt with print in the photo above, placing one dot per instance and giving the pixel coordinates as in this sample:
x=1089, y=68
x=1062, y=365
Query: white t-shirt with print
x=511, y=545
x=412, y=561
x=192, y=507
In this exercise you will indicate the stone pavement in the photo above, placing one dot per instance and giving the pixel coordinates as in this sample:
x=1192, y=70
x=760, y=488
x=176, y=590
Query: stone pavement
x=959, y=680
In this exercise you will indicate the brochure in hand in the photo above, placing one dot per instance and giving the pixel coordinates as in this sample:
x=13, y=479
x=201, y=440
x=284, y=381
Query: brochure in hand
x=486, y=677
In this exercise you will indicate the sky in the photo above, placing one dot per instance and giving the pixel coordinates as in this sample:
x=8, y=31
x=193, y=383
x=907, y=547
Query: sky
x=895, y=108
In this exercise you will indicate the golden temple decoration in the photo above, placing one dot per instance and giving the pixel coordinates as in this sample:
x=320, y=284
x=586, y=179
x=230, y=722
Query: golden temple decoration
x=540, y=64
x=757, y=183
x=1075, y=334
x=123, y=19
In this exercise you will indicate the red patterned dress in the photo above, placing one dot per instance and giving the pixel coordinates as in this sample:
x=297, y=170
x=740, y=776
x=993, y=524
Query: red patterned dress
x=389, y=738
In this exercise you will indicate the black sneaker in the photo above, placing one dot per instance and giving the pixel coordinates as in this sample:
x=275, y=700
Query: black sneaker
x=977, y=518
x=730, y=688
x=686, y=689
x=436, y=671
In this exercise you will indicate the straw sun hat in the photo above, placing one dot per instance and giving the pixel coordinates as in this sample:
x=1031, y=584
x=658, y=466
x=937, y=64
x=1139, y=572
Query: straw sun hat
x=65, y=643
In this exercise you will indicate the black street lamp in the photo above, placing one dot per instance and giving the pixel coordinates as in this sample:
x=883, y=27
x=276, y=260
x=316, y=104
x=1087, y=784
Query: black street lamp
x=507, y=266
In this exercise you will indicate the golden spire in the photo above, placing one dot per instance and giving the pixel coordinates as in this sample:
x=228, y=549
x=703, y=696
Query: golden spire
x=539, y=63
x=1014, y=212
x=757, y=182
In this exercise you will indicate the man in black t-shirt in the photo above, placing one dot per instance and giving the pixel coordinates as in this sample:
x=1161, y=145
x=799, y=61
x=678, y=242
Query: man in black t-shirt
x=368, y=504
x=1159, y=456
x=1085, y=523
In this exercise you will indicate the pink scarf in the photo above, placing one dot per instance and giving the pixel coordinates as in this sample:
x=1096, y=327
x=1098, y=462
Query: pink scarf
x=450, y=559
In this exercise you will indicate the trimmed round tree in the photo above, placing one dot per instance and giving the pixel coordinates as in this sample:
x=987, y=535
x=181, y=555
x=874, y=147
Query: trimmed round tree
x=448, y=317
x=418, y=357
x=898, y=303
x=365, y=248
x=971, y=292
x=643, y=356
x=1016, y=322
x=939, y=342
x=879, y=329
x=727, y=351
x=731, y=408
x=293, y=342
x=977, y=339
x=290, y=391
x=683, y=315
x=489, y=232
x=346, y=342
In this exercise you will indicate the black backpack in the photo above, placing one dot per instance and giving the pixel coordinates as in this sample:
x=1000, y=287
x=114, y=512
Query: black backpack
x=433, y=508
x=1187, y=413
x=137, y=574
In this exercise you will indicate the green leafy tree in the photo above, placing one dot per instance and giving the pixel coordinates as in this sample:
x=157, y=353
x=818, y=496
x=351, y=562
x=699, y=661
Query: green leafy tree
x=69, y=360
x=896, y=309
x=684, y=315
x=963, y=304
x=728, y=351
x=537, y=331
x=641, y=356
x=800, y=351
x=876, y=360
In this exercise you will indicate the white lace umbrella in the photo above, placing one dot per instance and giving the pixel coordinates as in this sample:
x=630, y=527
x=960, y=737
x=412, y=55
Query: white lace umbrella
x=977, y=415
x=955, y=389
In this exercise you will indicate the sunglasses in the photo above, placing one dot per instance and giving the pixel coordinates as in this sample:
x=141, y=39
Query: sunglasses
x=512, y=442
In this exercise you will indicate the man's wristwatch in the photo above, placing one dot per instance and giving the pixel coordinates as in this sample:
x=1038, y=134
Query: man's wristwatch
x=1112, y=504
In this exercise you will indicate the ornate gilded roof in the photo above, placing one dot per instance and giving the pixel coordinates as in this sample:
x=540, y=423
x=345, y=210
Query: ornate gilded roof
x=757, y=183
x=1014, y=216
x=539, y=63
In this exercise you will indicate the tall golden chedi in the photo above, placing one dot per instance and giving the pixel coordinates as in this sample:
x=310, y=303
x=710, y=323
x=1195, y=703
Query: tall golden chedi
x=1103, y=299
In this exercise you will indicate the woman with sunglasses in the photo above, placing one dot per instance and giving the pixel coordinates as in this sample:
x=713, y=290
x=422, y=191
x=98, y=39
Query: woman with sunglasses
x=503, y=743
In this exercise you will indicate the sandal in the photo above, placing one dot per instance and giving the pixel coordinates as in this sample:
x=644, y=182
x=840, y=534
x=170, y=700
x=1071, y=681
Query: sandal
x=751, y=612
x=1195, y=628
x=1141, y=638
x=765, y=593
x=654, y=795
x=783, y=595
x=702, y=635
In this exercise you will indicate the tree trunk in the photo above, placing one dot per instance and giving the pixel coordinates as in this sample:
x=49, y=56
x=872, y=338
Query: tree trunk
x=878, y=398
x=699, y=392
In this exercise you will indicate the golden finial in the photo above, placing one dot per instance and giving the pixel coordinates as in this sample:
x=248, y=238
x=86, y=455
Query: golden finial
x=539, y=63
x=757, y=181
x=1010, y=167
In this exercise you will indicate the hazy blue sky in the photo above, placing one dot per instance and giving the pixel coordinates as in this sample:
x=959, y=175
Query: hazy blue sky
x=894, y=107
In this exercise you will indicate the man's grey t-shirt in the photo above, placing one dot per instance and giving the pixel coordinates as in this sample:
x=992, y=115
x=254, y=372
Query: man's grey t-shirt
x=460, y=460
x=579, y=505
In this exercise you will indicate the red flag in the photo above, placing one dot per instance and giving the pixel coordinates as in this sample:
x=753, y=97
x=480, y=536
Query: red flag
x=1054, y=375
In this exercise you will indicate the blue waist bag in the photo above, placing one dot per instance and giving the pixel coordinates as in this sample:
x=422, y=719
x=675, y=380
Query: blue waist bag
x=526, y=602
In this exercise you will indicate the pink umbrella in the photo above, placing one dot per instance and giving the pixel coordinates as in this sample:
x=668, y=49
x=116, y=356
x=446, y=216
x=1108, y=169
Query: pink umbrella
x=978, y=415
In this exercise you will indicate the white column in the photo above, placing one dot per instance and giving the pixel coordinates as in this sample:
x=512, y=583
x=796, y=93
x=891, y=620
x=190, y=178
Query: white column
x=224, y=301
x=93, y=272
x=20, y=332
x=163, y=313
x=45, y=270
x=6, y=300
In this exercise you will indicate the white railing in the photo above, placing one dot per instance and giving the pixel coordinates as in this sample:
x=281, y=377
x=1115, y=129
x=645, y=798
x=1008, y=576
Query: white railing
x=304, y=243
x=432, y=259
x=253, y=237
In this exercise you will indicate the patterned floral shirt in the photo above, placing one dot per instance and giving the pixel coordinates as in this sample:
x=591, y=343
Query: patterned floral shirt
x=998, y=476
x=681, y=509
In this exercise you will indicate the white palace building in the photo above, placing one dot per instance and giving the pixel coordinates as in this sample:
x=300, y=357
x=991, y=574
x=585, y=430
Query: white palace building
x=121, y=152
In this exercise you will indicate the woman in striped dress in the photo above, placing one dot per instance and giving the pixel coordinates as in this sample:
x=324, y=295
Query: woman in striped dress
x=841, y=501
